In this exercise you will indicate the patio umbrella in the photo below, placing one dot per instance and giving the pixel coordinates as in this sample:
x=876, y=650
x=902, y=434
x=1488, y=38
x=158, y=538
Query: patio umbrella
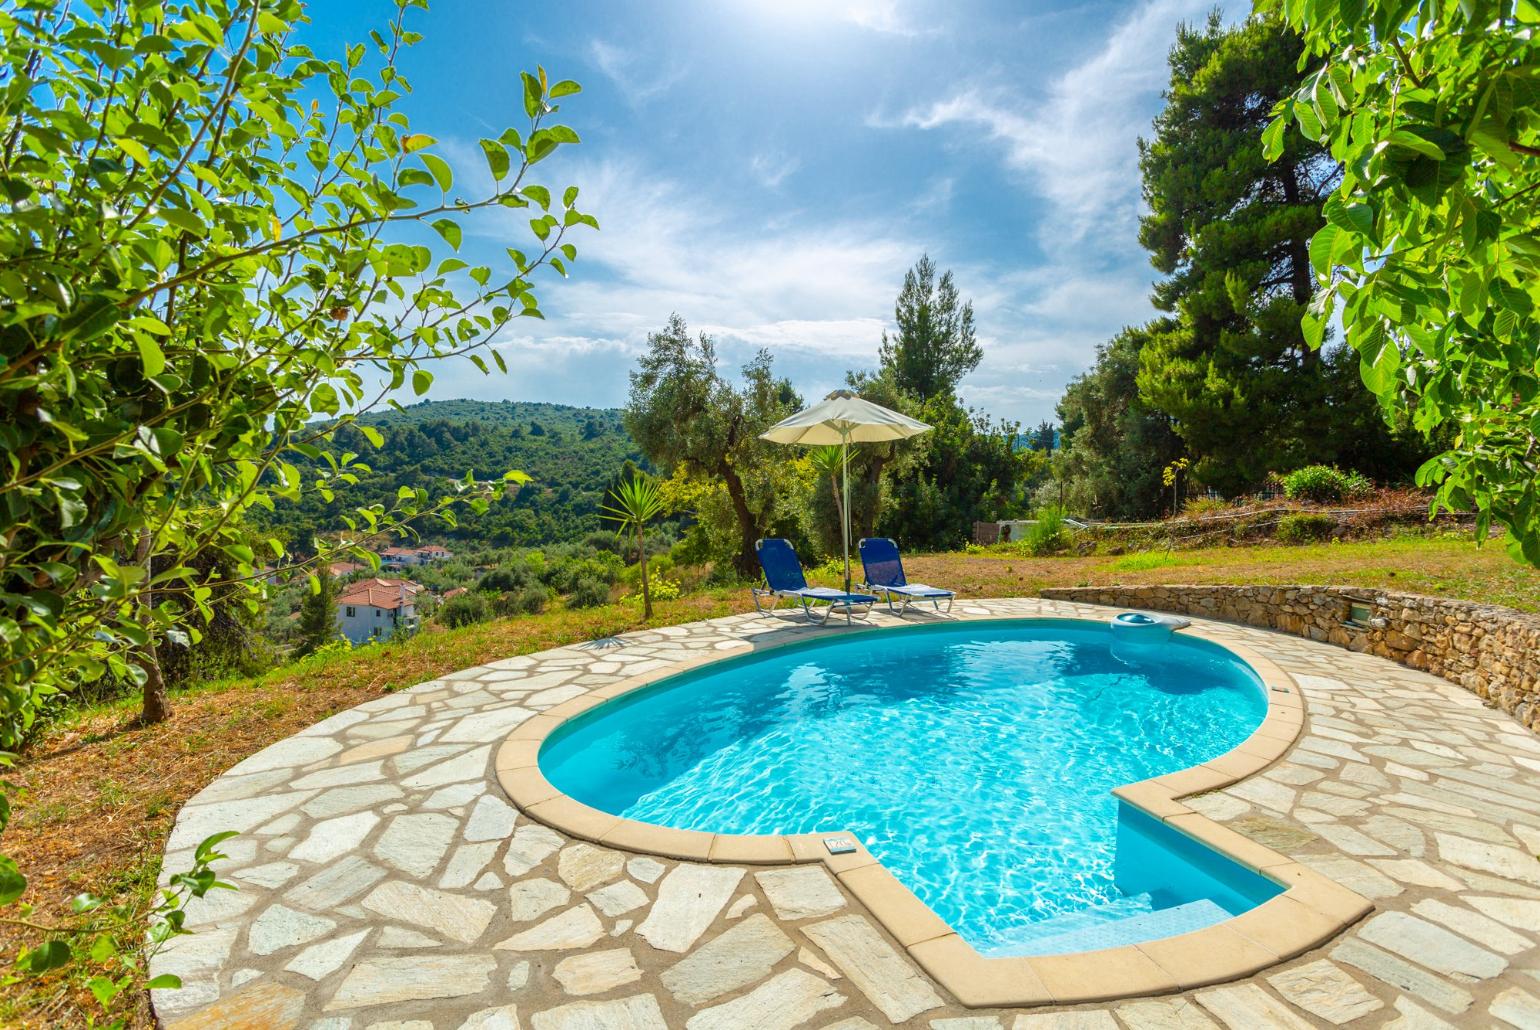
x=843, y=418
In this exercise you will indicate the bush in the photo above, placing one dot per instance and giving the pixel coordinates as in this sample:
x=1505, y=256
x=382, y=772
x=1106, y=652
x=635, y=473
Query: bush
x=663, y=589
x=531, y=600
x=1199, y=507
x=1325, y=484
x=1303, y=527
x=465, y=610
x=589, y=592
x=1048, y=534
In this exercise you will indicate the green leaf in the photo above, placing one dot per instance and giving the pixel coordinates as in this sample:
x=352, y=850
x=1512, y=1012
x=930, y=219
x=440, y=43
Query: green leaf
x=134, y=149
x=497, y=158
x=164, y=982
x=150, y=353
x=449, y=230
x=412, y=142
x=439, y=169
x=373, y=435
x=12, y=883
x=565, y=88
x=421, y=380
x=1409, y=140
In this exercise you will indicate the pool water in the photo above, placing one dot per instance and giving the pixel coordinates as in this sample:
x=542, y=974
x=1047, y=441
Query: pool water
x=976, y=761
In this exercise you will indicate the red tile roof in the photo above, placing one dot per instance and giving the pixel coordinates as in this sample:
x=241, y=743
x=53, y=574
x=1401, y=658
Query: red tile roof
x=380, y=593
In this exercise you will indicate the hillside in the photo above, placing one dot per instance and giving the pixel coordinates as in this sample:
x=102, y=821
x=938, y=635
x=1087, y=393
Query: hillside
x=572, y=455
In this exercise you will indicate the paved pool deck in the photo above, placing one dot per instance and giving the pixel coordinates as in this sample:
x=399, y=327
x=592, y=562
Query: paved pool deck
x=387, y=881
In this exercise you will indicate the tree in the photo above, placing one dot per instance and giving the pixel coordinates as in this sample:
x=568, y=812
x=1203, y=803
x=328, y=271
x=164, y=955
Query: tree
x=935, y=345
x=684, y=414
x=1045, y=438
x=318, y=611
x=635, y=502
x=970, y=470
x=197, y=262
x=1231, y=232
x=1428, y=252
x=1113, y=444
x=201, y=270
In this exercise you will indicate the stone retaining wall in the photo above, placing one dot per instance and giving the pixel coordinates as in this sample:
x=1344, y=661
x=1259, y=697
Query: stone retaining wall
x=1492, y=651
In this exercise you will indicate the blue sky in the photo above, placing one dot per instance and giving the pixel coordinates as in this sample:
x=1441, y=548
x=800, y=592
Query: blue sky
x=770, y=168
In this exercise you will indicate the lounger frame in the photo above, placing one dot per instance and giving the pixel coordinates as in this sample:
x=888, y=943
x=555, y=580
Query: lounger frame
x=808, y=604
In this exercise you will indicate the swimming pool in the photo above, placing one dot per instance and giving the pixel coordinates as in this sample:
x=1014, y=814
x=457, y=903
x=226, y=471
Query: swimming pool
x=975, y=760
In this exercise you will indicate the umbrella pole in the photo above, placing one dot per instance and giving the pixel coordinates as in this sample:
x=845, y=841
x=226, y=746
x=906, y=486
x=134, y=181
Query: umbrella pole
x=845, y=478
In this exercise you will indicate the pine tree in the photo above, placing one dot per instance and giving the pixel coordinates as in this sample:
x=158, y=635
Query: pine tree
x=318, y=613
x=1231, y=232
x=935, y=345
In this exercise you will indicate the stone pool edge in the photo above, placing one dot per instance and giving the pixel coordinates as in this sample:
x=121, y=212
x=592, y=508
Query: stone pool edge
x=1311, y=910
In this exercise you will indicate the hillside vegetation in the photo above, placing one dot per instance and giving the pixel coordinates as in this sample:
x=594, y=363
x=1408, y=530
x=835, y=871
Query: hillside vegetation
x=571, y=455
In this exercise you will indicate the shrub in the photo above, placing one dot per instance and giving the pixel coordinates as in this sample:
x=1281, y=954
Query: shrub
x=589, y=592
x=1198, y=507
x=1325, y=484
x=1048, y=534
x=662, y=589
x=464, y=610
x=1302, y=527
x=531, y=600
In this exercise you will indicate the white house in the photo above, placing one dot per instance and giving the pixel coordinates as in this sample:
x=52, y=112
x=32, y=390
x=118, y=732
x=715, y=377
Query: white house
x=401, y=557
x=377, y=608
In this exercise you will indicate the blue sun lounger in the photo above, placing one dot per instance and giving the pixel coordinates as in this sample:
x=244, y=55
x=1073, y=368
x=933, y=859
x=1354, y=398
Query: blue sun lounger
x=885, y=576
x=784, y=579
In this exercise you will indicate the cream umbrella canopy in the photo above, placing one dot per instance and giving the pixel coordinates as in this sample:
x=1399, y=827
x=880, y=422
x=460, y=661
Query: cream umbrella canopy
x=843, y=418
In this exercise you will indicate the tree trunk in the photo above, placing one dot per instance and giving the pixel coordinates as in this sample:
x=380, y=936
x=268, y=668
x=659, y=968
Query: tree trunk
x=641, y=558
x=747, y=563
x=156, y=707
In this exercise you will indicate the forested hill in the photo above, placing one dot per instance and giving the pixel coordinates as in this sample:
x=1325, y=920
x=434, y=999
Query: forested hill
x=572, y=454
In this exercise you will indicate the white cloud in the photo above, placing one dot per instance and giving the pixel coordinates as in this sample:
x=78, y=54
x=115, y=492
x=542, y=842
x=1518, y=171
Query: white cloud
x=772, y=169
x=1075, y=145
x=880, y=16
x=816, y=294
x=630, y=72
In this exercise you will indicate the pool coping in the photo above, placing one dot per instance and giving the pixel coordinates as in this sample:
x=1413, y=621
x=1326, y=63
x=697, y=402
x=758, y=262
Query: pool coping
x=1311, y=910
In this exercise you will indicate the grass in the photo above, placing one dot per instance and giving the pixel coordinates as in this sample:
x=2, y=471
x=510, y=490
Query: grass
x=98, y=794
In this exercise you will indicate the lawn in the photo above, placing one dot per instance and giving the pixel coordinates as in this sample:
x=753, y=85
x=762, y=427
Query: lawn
x=98, y=795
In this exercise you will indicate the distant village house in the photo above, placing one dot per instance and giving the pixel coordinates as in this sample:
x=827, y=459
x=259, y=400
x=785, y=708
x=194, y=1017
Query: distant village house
x=377, y=608
x=402, y=557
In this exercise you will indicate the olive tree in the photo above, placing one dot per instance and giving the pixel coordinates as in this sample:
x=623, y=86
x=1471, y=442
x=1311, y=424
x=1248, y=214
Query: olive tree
x=1430, y=254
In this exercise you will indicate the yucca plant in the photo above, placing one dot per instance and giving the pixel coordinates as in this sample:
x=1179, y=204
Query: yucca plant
x=636, y=502
x=827, y=463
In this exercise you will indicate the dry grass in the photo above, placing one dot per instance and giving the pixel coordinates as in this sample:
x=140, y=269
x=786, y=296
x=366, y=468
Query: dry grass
x=98, y=794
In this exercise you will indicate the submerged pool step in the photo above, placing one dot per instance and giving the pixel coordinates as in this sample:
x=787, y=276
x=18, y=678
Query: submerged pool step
x=1126, y=921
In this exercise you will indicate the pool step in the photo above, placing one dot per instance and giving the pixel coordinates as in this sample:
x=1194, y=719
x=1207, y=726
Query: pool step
x=1125, y=921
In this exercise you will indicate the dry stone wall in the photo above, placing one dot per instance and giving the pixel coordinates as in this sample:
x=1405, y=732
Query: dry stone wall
x=1492, y=651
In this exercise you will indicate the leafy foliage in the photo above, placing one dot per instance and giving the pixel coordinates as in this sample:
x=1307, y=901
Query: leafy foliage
x=90, y=944
x=202, y=268
x=1429, y=254
x=194, y=264
x=1114, y=443
x=1325, y=484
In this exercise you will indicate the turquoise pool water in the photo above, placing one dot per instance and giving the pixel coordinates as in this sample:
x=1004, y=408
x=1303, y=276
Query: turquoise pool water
x=975, y=760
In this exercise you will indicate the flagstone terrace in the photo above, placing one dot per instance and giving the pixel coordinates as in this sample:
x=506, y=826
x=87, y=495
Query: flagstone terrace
x=386, y=880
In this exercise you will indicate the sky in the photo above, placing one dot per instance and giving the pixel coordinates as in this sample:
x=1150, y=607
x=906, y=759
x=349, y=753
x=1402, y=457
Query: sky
x=768, y=169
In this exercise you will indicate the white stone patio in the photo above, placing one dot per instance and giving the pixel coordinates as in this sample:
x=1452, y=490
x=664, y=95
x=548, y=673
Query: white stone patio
x=385, y=880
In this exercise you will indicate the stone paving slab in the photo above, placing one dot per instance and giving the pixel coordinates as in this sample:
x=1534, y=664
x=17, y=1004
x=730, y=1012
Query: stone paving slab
x=386, y=880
